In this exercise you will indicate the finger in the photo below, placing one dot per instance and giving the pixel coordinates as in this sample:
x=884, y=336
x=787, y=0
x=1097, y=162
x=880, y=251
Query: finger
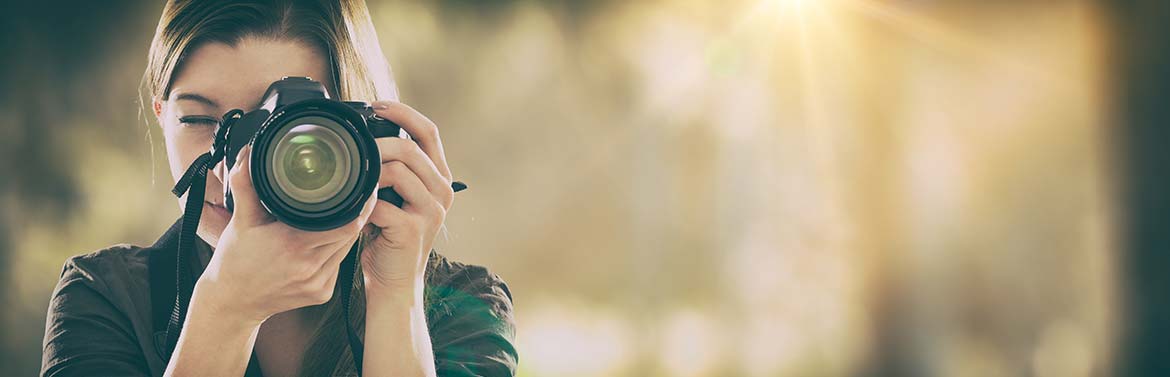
x=422, y=129
x=364, y=216
x=342, y=233
x=324, y=240
x=328, y=273
x=352, y=230
x=246, y=204
x=415, y=196
x=395, y=149
x=386, y=215
x=335, y=252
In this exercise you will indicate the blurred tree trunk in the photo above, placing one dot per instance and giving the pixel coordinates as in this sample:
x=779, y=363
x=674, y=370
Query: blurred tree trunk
x=878, y=207
x=1142, y=68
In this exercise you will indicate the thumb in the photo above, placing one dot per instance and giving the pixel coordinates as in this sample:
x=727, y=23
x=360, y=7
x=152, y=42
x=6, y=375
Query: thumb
x=246, y=206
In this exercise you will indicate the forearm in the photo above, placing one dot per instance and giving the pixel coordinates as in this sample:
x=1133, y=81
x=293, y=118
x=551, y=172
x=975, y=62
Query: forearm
x=397, y=340
x=213, y=342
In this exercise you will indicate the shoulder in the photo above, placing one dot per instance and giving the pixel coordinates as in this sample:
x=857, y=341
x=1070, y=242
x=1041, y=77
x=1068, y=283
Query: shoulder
x=469, y=313
x=448, y=278
x=108, y=269
x=456, y=289
x=443, y=271
x=116, y=277
x=94, y=314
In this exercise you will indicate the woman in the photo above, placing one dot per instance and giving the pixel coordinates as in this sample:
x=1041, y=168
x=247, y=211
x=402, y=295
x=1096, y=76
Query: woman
x=265, y=302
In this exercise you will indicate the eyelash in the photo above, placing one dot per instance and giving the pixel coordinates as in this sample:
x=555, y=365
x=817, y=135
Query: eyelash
x=198, y=120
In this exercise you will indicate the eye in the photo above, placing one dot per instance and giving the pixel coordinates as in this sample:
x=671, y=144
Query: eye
x=198, y=120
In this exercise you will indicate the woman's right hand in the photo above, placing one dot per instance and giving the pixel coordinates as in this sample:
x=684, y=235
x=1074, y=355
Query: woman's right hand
x=262, y=266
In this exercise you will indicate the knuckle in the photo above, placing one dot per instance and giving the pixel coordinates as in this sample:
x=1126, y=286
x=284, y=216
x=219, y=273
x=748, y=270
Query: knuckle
x=405, y=222
x=411, y=149
x=446, y=195
x=432, y=130
x=378, y=216
x=398, y=222
x=236, y=175
x=440, y=214
x=352, y=228
x=394, y=170
x=437, y=211
x=394, y=145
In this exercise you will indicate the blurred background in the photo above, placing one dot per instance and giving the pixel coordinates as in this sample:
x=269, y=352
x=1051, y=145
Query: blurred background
x=701, y=188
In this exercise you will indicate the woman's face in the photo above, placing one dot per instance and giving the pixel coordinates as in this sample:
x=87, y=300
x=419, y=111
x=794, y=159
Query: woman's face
x=213, y=79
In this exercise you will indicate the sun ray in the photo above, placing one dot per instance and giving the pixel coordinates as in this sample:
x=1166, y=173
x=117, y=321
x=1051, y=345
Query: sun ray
x=939, y=35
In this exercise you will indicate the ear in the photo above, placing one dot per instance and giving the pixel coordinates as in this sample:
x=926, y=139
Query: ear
x=157, y=106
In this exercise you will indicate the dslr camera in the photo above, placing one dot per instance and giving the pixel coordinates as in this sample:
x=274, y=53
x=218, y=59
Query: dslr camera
x=314, y=161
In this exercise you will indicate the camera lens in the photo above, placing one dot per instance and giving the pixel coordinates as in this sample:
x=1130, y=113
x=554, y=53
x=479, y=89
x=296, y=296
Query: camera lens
x=310, y=163
x=314, y=164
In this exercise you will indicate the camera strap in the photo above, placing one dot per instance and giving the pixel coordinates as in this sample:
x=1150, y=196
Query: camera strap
x=345, y=278
x=193, y=183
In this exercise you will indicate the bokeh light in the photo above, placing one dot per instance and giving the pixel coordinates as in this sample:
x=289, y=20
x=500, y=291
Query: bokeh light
x=676, y=187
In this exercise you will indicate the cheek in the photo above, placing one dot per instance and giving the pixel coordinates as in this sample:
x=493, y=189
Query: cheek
x=184, y=145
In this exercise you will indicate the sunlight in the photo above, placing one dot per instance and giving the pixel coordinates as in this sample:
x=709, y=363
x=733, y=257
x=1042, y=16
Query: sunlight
x=790, y=4
x=785, y=8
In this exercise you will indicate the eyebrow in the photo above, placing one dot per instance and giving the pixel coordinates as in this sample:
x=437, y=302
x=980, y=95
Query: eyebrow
x=196, y=98
x=208, y=101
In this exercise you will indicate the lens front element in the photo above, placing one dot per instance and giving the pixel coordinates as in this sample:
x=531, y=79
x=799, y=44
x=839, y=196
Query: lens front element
x=311, y=163
x=314, y=164
x=309, y=159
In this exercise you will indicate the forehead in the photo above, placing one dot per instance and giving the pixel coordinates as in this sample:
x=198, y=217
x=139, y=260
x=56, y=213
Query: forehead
x=236, y=76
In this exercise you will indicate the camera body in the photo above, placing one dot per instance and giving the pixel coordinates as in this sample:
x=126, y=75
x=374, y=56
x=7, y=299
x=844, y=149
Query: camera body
x=314, y=160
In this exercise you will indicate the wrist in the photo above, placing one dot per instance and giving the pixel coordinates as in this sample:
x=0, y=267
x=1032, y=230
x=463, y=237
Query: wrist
x=210, y=303
x=397, y=288
x=214, y=340
x=394, y=296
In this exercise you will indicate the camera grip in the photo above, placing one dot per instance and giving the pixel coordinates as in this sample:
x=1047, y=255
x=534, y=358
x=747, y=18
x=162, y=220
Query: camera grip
x=380, y=128
x=388, y=194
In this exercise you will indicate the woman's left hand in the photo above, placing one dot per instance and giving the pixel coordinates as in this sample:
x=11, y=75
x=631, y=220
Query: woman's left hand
x=395, y=257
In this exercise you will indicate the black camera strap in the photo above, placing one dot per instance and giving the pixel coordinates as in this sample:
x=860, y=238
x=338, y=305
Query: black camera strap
x=193, y=184
x=345, y=277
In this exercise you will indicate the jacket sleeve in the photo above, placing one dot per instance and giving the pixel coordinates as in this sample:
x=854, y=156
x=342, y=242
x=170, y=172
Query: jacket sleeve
x=473, y=331
x=85, y=334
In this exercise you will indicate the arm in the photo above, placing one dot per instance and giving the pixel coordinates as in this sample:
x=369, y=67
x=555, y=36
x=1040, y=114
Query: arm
x=395, y=261
x=213, y=342
x=471, y=334
x=260, y=267
x=397, y=339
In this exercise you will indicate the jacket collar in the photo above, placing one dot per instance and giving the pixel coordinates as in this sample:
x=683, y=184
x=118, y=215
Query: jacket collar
x=169, y=239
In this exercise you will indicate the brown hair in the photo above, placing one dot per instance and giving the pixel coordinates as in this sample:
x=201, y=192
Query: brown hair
x=342, y=31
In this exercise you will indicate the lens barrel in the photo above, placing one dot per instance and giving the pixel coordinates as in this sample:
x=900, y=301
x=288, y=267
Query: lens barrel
x=314, y=163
